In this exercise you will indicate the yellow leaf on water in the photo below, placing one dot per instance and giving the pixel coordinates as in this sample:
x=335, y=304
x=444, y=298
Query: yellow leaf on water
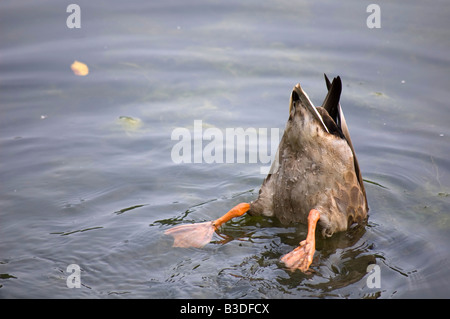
x=79, y=68
x=130, y=123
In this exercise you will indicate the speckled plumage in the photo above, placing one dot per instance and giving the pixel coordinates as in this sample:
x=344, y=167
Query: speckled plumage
x=315, y=167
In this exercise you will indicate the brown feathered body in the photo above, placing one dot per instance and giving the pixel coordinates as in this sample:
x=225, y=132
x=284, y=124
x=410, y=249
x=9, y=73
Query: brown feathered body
x=315, y=167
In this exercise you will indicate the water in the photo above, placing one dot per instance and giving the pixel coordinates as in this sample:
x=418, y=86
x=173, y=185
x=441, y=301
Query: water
x=86, y=171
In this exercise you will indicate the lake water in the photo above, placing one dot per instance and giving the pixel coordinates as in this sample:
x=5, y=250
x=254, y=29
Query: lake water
x=87, y=175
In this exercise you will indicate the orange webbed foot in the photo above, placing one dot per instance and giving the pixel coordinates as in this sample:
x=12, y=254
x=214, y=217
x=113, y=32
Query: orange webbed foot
x=302, y=256
x=200, y=234
x=192, y=235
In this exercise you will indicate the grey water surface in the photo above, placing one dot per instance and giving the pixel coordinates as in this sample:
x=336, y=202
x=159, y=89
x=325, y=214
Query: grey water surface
x=88, y=176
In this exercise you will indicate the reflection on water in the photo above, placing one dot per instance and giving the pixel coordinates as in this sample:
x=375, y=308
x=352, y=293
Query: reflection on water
x=87, y=176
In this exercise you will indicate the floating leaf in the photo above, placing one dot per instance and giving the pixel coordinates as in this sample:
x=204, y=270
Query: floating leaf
x=123, y=210
x=130, y=123
x=79, y=68
x=380, y=94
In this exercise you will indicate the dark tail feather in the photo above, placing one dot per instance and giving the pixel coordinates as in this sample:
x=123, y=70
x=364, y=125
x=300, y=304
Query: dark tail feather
x=335, y=111
x=331, y=102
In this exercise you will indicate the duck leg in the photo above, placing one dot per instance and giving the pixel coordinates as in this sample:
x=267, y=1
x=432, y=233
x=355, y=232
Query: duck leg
x=302, y=256
x=198, y=235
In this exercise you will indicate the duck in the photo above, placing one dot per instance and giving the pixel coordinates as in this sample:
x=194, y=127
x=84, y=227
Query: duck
x=315, y=179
